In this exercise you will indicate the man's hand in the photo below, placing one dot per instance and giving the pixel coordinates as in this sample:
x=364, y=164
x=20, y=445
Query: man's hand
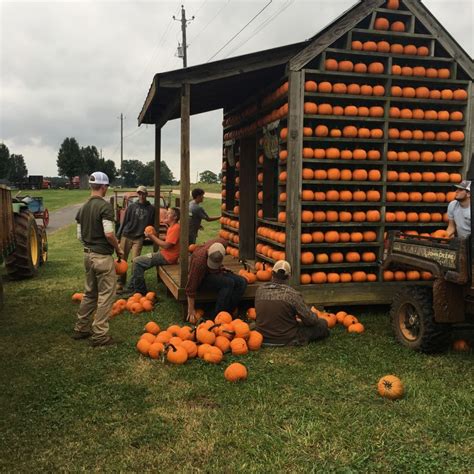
x=192, y=316
x=119, y=252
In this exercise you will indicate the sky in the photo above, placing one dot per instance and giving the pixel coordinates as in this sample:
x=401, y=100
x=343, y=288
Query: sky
x=70, y=68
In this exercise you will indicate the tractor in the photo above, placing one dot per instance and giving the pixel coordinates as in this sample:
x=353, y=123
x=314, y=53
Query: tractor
x=23, y=243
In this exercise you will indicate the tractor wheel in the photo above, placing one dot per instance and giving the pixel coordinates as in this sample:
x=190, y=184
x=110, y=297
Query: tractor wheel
x=25, y=260
x=43, y=240
x=412, y=318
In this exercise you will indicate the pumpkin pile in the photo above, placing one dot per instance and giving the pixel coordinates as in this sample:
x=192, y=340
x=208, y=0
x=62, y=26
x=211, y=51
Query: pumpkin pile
x=341, y=318
x=208, y=341
x=136, y=304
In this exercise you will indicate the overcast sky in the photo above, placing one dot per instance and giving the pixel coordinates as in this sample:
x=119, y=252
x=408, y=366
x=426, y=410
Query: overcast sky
x=69, y=69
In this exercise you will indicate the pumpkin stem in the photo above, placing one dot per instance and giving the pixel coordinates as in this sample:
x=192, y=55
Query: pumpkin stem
x=387, y=385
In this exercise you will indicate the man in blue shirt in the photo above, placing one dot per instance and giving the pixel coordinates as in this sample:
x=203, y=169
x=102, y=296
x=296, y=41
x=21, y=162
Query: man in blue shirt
x=459, y=212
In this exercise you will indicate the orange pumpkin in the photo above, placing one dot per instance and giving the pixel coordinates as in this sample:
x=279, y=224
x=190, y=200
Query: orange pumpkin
x=381, y=24
x=397, y=26
x=235, y=372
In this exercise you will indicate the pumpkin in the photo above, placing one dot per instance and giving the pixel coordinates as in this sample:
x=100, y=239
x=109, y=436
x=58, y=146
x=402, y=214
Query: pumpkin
x=357, y=328
x=397, y=26
x=349, y=320
x=383, y=46
x=77, y=297
x=353, y=89
x=460, y=94
x=396, y=48
x=447, y=94
x=357, y=237
x=176, y=354
x=381, y=24
x=121, y=266
x=422, y=51
x=366, y=89
x=410, y=49
x=396, y=70
x=331, y=65
x=321, y=131
x=390, y=387
x=152, y=327
x=444, y=73
x=460, y=345
x=310, y=108
x=376, y=68
x=143, y=346
x=136, y=308
x=360, y=68
x=310, y=86
x=369, y=46
x=454, y=156
x=345, y=66
x=214, y=355
x=456, y=116
x=393, y=4
x=235, y=372
x=255, y=341
x=156, y=349
x=151, y=338
x=238, y=346
x=325, y=87
x=356, y=45
x=456, y=136
x=419, y=71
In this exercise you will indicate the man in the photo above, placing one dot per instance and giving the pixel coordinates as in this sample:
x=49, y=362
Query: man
x=206, y=273
x=197, y=214
x=95, y=230
x=283, y=318
x=167, y=254
x=137, y=216
x=459, y=211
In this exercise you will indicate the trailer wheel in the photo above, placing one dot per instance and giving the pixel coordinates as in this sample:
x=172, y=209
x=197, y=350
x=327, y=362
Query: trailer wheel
x=25, y=260
x=412, y=319
x=43, y=240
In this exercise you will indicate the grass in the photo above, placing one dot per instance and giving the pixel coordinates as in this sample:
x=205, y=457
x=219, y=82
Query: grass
x=54, y=199
x=68, y=407
x=210, y=188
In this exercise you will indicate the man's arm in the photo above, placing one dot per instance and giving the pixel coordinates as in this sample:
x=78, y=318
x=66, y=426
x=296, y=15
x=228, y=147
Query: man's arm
x=451, y=230
x=125, y=218
x=212, y=219
x=303, y=311
x=161, y=243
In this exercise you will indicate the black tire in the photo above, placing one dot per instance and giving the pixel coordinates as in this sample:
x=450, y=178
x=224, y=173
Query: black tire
x=412, y=318
x=43, y=241
x=25, y=260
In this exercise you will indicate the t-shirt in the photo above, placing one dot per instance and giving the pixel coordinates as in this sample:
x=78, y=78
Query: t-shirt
x=172, y=236
x=90, y=217
x=277, y=306
x=137, y=217
x=196, y=215
x=461, y=217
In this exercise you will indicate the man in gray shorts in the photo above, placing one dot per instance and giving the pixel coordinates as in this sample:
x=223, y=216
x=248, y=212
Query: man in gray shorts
x=197, y=214
x=459, y=212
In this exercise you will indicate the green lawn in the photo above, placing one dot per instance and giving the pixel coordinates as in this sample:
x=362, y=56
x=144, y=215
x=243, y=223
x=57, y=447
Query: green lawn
x=68, y=407
x=54, y=199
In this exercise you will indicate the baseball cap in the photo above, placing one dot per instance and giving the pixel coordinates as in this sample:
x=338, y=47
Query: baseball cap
x=97, y=177
x=282, y=268
x=466, y=185
x=142, y=189
x=215, y=256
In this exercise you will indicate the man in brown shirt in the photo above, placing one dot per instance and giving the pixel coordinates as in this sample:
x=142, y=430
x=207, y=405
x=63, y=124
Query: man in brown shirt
x=283, y=318
x=207, y=273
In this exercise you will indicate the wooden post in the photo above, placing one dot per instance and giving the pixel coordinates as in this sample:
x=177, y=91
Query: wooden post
x=294, y=165
x=157, y=175
x=184, y=184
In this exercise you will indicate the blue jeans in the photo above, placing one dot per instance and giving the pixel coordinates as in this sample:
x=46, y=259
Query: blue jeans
x=229, y=287
x=140, y=265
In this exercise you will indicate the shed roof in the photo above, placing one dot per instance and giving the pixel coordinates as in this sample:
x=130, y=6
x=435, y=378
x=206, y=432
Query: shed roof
x=227, y=83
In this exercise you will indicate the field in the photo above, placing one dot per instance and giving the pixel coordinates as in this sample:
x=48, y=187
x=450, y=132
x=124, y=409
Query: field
x=68, y=407
x=54, y=199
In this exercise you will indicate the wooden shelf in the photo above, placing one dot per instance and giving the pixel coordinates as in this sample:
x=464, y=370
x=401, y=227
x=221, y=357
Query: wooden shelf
x=369, y=141
x=269, y=241
x=366, y=224
x=428, y=205
x=395, y=34
x=426, y=164
x=330, y=266
x=362, y=98
x=344, y=245
x=428, y=122
x=345, y=118
x=271, y=222
x=339, y=161
x=420, y=183
x=416, y=100
x=374, y=204
x=344, y=183
x=415, y=224
x=425, y=142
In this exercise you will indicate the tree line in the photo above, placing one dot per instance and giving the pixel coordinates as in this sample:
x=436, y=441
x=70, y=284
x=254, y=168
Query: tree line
x=12, y=166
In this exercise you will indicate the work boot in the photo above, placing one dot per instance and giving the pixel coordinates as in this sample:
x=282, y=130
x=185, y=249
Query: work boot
x=77, y=335
x=107, y=342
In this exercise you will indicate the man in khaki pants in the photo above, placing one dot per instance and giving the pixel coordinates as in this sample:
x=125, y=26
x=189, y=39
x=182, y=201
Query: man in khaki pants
x=95, y=229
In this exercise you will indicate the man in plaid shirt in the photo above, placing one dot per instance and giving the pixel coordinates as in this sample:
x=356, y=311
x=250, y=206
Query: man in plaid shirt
x=206, y=273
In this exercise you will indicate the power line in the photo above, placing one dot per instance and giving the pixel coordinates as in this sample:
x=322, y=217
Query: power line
x=262, y=26
x=208, y=23
x=238, y=33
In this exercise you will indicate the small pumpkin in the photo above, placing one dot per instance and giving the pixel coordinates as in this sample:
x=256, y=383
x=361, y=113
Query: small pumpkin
x=460, y=345
x=121, y=266
x=235, y=372
x=176, y=354
x=238, y=346
x=390, y=387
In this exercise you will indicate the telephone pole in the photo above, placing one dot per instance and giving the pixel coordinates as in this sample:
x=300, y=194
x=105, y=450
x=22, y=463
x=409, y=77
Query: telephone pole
x=184, y=23
x=121, y=142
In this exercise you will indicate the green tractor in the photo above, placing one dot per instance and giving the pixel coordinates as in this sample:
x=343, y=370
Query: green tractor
x=23, y=243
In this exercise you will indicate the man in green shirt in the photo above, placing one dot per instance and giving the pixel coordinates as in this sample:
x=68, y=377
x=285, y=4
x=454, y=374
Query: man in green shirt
x=95, y=230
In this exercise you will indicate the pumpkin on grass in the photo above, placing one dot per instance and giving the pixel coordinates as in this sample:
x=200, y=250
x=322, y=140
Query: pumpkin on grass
x=390, y=387
x=77, y=297
x=460, y=345
x=235, y=372
x=176, y=354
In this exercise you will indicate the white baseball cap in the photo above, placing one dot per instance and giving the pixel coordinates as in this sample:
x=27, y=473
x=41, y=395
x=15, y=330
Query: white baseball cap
x=282, y=267
x=97, y=177
x=215, y=256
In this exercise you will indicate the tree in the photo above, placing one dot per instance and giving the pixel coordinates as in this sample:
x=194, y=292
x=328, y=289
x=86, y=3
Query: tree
x=70, y=161
x=107, y=167
x=4, y=161
x=18, y=169
x=130, y=171
x=146, y=176
x=208, y=177
x=166, y=175
x=90, y=155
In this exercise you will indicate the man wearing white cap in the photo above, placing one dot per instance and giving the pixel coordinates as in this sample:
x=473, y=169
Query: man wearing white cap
x=95, y=230
x=207, y=273
x=459, y=211
x=283, y=318
x=138, y=215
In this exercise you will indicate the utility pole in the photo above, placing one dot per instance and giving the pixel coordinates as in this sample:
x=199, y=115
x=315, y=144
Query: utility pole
x=121, y=142
x=184, y=23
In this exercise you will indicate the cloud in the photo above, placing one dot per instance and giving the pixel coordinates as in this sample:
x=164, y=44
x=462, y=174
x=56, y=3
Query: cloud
x=70, y=68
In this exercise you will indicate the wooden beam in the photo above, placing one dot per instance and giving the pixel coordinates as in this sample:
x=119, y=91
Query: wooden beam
x=184, y=184
x=469, y=132
x=149, y=99
x=333, y=32
x=294, y=171
x=157, y=180
x=248, y=196
x=430, y=22
x=170, y=110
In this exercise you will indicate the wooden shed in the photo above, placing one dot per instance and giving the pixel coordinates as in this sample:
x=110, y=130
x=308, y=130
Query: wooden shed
x=328, y=144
